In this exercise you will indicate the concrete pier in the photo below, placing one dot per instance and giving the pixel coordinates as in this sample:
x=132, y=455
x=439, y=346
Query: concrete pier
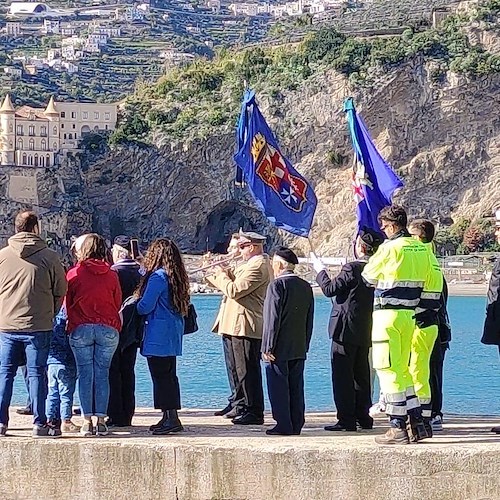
x=213, y=459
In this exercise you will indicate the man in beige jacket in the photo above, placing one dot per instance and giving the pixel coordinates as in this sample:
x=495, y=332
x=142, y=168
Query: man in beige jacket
x=32, y=288
x=240, y=316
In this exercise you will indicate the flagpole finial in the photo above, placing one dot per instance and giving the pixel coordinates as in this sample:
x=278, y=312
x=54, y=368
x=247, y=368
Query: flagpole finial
x=245, y=84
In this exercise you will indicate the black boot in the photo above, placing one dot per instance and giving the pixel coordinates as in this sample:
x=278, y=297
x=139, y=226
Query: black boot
x=160, y=422
x=172, y=424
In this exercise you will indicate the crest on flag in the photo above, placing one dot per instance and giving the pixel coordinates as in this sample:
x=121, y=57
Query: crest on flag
x=272, y=169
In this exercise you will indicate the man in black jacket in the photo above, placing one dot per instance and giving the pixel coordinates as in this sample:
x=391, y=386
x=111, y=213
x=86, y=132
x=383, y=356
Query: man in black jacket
x=350, y=330
x=121, y=407
x=491, y=333
x=288, y=325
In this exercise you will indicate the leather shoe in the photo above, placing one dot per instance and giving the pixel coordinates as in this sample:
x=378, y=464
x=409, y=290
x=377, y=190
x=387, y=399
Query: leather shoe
x=496, y=430
x=235, y=412
x=224, y=411
x=365, y=425
x=276, y=432
x=248, y=419
x=24, y=411
x=339, y=427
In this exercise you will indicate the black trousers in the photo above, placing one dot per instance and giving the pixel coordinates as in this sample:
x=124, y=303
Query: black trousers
x=436, y=377
x=285, y=386
x=246, y=353
x=166, y=390
x=237, y=398
x=121, y=406
x=351, y=385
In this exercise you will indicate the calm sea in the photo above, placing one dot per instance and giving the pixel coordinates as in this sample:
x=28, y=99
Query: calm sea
x=471, y=380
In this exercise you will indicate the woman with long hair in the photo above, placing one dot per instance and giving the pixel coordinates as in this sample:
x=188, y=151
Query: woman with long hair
x=164, y=300
x=93, y=303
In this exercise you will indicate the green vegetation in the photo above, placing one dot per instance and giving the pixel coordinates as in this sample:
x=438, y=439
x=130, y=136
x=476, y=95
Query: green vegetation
x=189, y=102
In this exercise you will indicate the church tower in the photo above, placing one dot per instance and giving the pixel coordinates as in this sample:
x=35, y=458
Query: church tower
x=7, y=132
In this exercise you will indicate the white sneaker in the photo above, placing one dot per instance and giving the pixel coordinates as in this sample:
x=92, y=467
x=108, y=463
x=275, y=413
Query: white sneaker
x=377, y=409
x=437, y=423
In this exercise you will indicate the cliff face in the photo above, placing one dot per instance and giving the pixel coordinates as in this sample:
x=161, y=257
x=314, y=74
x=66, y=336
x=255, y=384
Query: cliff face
x=441, y=137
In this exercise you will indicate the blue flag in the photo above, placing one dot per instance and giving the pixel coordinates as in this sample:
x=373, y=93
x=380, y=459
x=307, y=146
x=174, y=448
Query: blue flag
x=374, y=181
x=281, y=193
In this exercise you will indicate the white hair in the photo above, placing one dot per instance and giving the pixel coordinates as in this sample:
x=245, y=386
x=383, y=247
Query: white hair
x=288, y=265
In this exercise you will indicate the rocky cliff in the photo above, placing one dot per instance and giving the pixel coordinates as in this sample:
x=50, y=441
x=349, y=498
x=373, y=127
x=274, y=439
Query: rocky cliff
x=437, y=125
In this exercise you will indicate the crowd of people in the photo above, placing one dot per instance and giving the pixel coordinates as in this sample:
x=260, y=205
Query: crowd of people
x=83, y=328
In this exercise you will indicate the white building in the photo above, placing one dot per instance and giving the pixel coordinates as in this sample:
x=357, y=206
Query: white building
x=98, y=38
x=28, y=9
x=13, y=72
x=92, y=47
x=13, y=28
x=51, y=27
x=69, y=67
x=53, y=54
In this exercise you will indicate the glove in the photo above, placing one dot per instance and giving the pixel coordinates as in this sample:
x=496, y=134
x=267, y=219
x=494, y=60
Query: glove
x=316, y=263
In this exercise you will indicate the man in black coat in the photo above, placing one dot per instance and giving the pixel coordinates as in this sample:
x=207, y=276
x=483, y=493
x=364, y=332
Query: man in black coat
x=121, y=406
x=288, y=325
x=491, y=333
x=350, y=330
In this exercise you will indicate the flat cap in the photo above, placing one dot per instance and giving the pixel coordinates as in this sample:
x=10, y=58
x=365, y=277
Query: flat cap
x=122, y=241
x=287, y=255
x=252, y=237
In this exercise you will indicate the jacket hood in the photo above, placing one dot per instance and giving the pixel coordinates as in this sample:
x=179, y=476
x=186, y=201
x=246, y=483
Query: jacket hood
x=26, y=244
x=96, y=266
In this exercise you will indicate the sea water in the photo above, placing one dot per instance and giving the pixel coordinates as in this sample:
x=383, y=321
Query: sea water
x=471, y=370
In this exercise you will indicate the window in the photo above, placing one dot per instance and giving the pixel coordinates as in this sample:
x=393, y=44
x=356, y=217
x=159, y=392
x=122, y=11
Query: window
x=30, y=160
x=20, y=144
x=65, y=136
x=19, y=130
x=42, y=161
x=11, y=128
x=25, y=159
x=63, y=114
x=44, y=145
x=55, y=130
x=74, y=126
x=32, y=144
x=73, y=114
x=85, y=115
x=62, y=125
x=36, y=160
x=43, y=131
x=47, y=160
x=31, y=130
x=96, y=115
x=54, y=146
x=106, y=116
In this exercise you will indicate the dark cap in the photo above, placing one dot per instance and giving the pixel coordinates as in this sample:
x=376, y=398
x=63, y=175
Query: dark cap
x=371, y=238
x=252, y=237
x=122, y=241
x=287, y=255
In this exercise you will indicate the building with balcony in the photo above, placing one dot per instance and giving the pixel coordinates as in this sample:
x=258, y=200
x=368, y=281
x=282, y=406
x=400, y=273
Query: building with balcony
x=34, y=137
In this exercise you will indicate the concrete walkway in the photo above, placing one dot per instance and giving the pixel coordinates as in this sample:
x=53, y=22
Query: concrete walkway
x=213, y=459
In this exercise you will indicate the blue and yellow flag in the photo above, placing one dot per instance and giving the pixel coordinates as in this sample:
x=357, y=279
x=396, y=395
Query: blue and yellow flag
x=281, y=193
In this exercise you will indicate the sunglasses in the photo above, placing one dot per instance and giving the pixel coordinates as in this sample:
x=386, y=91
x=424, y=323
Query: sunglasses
x=244, y=245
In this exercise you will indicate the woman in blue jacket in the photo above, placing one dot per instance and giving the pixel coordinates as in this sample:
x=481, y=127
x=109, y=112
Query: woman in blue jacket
x=164, y=300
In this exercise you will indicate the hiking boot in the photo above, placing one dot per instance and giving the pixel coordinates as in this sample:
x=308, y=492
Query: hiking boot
x=170, y=425
x=69, y=427
x=160, y=422
x=87, y=429
x=101, y=429
x=394, y=436
x=46, y=431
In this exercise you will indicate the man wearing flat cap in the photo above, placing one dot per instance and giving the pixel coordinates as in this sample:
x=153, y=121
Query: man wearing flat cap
x=491, y=333
x=350, y=330
x=288, y=325
x=240, y=316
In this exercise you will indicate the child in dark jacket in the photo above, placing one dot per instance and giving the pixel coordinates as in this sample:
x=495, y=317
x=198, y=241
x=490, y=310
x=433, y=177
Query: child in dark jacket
x=61, y=374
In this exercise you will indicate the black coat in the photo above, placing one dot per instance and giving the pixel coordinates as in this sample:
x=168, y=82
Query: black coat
x=288, y=317
x=491, y=333
x=351, y=318
x=129, y=277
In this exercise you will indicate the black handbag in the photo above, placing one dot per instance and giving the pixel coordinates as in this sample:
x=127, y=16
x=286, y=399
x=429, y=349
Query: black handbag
x=190, y=321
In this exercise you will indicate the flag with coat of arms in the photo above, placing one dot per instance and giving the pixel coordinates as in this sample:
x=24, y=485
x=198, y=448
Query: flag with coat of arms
x=284, y=196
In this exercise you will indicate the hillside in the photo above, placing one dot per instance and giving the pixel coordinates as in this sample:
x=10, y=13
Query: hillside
x=430, y=100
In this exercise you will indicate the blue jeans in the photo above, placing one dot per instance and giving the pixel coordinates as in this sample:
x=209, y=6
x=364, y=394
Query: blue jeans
x=62, y=381
x=93, y=347
x=12, y=347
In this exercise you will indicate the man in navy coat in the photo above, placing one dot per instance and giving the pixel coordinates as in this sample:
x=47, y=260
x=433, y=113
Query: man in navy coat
x=350, y=330
x=288, y=325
